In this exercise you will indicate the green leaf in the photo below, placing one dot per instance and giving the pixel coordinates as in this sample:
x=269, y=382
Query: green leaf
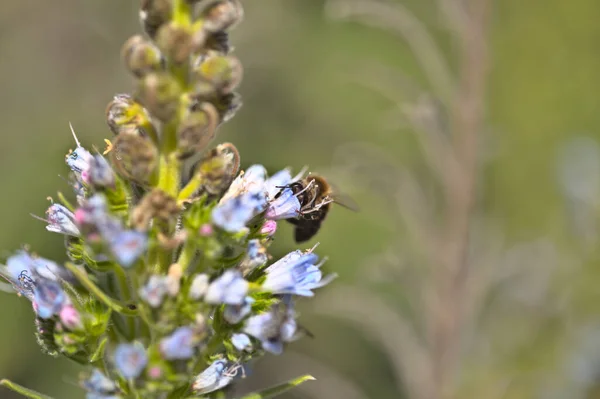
x=28, y=393
x=279, y=389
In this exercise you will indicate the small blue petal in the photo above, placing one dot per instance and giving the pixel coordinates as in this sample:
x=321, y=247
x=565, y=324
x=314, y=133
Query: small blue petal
x=127, y=246
x=233, y=214
x=241, y=341
x=98, y=383
x=154, y=291
x=274, y=183
x=179, y=345
x=230, y=288
x=48, y=298
x=61, y=220
x=296, y=273
x=285, y=206
x=130, y=359
x=215, y=377
x=273, y=328
x=233, y=314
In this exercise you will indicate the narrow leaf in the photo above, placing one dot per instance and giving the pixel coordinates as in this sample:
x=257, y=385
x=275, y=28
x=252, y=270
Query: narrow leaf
x=28, y=393
x=279, y=389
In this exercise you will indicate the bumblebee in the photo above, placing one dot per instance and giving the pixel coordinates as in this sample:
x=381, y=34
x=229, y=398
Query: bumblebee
x=315, y=195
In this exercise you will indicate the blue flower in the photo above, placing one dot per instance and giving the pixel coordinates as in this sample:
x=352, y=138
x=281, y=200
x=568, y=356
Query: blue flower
x=233, y=314
x=61, y=220
x=273, y=328
x=284, y=206
x=179, y=345
x=48, y=298
x=230, y=288
x=252, y=180
x=34, y=267
x=127, y=246
x=215, y=377
x=98, y=383
x=154, y=291
x=233, y=214
x=130, y=359
x=79, y=162
x=296, y=273
x=274, y=183
x=100, y=172
x=241, y=342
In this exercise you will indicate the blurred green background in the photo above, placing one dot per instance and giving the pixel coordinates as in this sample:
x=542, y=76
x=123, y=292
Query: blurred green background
x=332, y=93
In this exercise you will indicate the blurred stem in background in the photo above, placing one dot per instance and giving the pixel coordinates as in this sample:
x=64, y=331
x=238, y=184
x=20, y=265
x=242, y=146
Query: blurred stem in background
x=459, y=192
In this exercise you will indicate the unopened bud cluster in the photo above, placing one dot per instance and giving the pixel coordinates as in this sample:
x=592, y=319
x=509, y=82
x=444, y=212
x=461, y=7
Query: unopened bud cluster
x=168, y=289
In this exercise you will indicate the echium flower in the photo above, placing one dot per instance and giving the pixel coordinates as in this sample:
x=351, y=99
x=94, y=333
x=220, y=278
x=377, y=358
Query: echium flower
x=167, y=288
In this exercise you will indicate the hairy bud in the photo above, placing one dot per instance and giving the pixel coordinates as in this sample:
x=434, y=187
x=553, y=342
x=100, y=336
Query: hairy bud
x=217, y=73
x=154, y=13
x=156, y=204
x=197, y=129
x=175, y=42
x=134, y=157
x=124, y=115
x=141, y=57
x=218, y=168
x=159, y=93
x=221, y=15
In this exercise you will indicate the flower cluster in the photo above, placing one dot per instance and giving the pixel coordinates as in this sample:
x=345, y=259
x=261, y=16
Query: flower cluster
x=169, y=290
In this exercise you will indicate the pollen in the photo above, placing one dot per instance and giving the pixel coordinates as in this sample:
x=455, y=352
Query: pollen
x=109, y=146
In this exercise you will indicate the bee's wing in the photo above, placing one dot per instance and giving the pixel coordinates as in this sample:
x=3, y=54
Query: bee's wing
x=345, y=200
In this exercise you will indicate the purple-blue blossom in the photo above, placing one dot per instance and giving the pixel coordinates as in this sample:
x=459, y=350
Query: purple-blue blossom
x=296, y=273
x=154, y=291
x=241, y=342
x=230, y=288
x=179, y=345
x=61, y=220
x=285, y=206
x=273, y=328
x=233, y=314
x=213, y=378
x=35, y=267
x=130, y=359
x=127, y=246
x=233, y=214
x=99, y=384
x=48, y=298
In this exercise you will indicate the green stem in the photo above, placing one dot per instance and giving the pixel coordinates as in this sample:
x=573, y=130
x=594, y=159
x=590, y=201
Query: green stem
x=193, y=185
x=125, y=292
x=182, y=13
x=113, y=304
x=188, y=253
x=28, y=393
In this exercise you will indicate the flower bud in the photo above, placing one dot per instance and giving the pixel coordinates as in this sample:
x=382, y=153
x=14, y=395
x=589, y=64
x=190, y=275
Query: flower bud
x=218, y=168
x=70, y=318
x=134, y=157
x=197, y=129
x=175, y=42
x=155, y=204
x=217, y=73
x=154, y=13
x=141, y=57
x=159, y=93
x=124, y=115
x=221, y=15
